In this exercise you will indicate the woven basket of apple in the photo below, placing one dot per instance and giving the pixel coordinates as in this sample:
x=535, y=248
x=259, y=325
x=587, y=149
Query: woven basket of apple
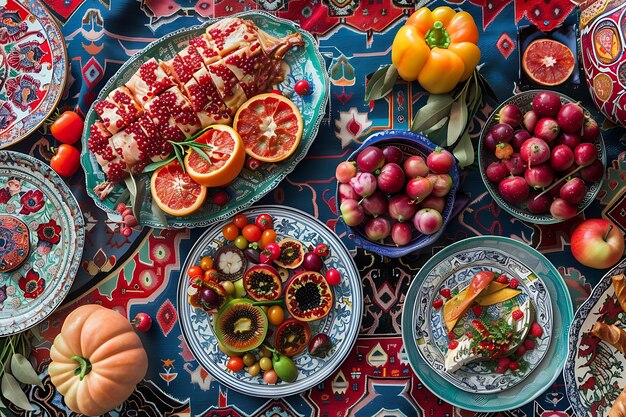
x=542, y=157
x=396, y=192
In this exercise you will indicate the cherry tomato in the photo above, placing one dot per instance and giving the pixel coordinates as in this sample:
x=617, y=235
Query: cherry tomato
x=235, y=364
x=194, y=271
x=230, y=231
x=68, y=127
x=241, y=242
x=211, y=275
x=142, y=322
x=66, y=160
x=240, y=221
x=220, y=198
x=268, y=236
x=276, y=315
x=206, y=263
x=302, y=88
x=251, y=232
x=270, y=377
x=264, y=221
x=273, y=250
x=333, y=277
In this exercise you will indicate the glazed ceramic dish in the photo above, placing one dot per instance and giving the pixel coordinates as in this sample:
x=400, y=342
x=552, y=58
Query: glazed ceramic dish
x=41, y=241
x=455, y=272
x=341, y=324
x=523, y=101
x=33, y=68
x=594, y=371
x=302, y=63
x=523, y=259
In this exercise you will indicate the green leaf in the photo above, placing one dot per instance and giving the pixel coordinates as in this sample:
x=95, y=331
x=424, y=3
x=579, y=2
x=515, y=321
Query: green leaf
x=23, y=370
x=179, y=155
x=123, y=198
x=142, y=189
x=159, y=214
x=464, y=151
x=437, y=107
x=437, y=126
x=202, y=154
x=156, y=165
x=458, y=119
x=381, y=83
x=5, y=412
x=11, y=391
x=131, y=184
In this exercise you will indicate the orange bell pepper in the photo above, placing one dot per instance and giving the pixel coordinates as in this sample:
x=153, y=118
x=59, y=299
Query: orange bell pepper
x=437, y=48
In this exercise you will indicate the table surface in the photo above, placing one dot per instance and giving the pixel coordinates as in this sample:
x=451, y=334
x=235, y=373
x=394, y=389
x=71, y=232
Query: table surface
x=140, y=273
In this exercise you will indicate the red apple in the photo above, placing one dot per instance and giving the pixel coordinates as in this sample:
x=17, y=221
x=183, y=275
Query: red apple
x=597, y=243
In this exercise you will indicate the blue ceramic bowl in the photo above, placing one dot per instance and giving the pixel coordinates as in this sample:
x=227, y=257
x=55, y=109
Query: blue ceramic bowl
x=411, y=144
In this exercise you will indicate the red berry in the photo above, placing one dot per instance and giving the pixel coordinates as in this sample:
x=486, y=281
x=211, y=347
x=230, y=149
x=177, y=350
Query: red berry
x=513, y=283
x=302, y=88
x=504, y=362
x=451, y=335
x=120, y=208
x=445, y=293
x=529, y=344
x=517, y=314
x=502, y=279
x=453, y=344
x=130, y=220
x=513, y=366
x=477, y=309
x=333, y=277
x=520, y=351
x=437, y=303
x=142, y=322
x=220, y=198
x=469, y=334
x=322, y=250
x=536, y=330
x=126, y=231
x=127, y=212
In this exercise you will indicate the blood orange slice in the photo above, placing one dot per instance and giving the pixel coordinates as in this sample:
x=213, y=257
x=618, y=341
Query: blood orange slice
x=174, y=191
x=224, y=159
x=548, y=62
x=270, y=126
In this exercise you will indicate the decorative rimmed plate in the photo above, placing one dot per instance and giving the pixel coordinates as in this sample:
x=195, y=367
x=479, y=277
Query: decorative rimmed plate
x=341, y=324
x=544, y=374
x=33, y=68
x=594, y=371
x=455, y=272
x=41, y=241
x=250, y=186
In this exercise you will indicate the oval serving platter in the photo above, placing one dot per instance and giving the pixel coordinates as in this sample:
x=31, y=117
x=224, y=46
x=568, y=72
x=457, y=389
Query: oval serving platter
x=33, y=68
x=250, y=186
x=455, y=272
x=594, y=371
x=41, y=222
x=545, y=372
x=342, y=324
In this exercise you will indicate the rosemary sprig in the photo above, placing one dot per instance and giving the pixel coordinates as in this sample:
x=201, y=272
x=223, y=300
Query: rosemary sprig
x=180, y=150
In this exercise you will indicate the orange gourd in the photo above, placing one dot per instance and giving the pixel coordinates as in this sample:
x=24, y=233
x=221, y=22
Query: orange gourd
x=97, y=360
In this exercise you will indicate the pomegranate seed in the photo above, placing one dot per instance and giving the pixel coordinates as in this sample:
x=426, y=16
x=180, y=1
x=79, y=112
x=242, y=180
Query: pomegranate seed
x=517, y=314
x=451, y=335
x=469, y=334
x=453, y=344
x=536, y=330
x=513, y=283
x=502, y=279
x=220, y=198
x=437, y=303
x=445, y=293
x=276, y=92
x=477, y=309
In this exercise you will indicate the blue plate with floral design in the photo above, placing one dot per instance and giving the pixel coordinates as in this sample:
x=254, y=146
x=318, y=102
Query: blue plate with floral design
x=41, y=241
x=594, y=371
x=545, y=372
x=341, y=324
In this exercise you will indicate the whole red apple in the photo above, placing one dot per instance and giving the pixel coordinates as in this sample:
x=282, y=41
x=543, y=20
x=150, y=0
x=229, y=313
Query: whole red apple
x=597, y=243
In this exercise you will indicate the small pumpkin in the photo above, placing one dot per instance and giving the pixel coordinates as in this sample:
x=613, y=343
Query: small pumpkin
x=97, y=360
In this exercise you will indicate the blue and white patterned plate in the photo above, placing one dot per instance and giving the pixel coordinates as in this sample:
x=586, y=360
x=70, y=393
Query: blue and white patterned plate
x=455, y=272
x=594, y=371
x=341, y=324
x=546, y=371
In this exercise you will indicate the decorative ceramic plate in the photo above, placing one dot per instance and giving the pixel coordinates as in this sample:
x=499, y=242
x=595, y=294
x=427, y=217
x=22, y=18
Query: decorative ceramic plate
x=303, y=63
x=341, y=324
x=594, y=371
x=545, y=372
x=455, y=272
x=41, y=241
x=33, y=68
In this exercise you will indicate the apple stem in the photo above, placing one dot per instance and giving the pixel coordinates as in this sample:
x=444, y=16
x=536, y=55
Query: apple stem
x=559, y=180
x=606, y=235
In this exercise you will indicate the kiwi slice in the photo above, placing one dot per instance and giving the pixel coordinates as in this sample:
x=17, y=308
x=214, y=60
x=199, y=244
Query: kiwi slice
x=240, y=326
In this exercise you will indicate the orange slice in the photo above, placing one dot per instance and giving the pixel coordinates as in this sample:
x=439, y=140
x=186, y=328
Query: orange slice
x=174, y=191
x=270, y=126
x=224, y=160
x=548, y=62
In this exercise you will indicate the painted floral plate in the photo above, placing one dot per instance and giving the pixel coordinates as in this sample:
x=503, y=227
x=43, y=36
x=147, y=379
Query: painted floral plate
x=41, y=241
x=250, y=186
x=341, y=324
x=594, y=371
x=455, y=272
x=33, y=68
x=519, y=255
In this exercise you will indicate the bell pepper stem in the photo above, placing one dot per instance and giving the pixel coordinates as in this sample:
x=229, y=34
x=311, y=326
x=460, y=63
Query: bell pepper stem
x=268, y=303
x=84, y=366
x=437, y=36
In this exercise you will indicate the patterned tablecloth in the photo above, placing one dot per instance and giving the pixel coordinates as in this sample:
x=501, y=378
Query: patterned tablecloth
x=140, y=273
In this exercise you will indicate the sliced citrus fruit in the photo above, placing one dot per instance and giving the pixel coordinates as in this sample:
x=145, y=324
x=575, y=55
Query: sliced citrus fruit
x=224, y=159
x=174, y=191
x=270, y=126
x=548, y=62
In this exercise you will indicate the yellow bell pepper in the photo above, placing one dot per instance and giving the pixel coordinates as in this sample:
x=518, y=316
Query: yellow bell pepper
x=437, y=48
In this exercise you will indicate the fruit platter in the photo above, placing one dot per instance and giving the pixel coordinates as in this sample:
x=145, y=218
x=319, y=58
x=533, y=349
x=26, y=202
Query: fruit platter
x=270, y=303
x=198, y=125
x=487, y=314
